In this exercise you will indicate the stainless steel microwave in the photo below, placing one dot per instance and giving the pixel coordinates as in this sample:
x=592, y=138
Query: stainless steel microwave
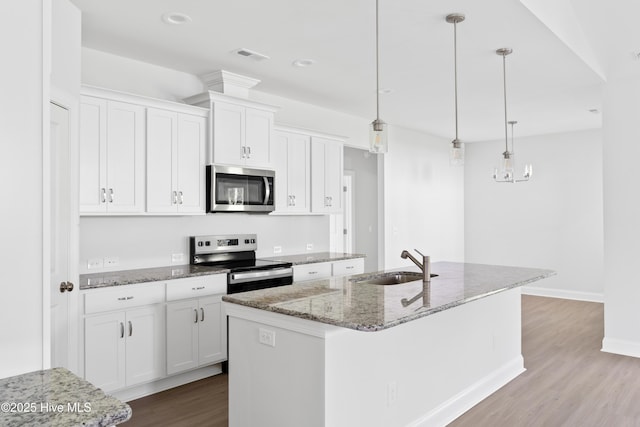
x=238, y=189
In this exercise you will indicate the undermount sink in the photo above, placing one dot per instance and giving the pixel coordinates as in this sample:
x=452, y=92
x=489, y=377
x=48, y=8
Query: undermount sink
x=392, y=278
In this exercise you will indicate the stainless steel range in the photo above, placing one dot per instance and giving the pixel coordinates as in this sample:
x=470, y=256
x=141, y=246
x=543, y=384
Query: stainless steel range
x=237, y=253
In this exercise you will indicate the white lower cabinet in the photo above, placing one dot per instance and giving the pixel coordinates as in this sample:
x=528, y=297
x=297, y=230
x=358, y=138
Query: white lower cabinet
x=125, y=348
x=194, y=333
x=196, y=323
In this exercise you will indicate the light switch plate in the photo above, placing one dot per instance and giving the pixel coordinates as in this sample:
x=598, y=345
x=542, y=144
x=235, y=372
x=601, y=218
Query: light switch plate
x=277, y=249
x=309, y=246
x=177, y=257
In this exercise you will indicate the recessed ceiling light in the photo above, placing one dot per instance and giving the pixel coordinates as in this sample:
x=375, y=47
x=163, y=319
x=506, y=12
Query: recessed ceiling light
x=303, y=63
x=175, y=18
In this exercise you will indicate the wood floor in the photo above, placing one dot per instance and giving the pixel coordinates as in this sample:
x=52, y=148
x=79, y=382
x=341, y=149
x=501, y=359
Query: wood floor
x=569, y=381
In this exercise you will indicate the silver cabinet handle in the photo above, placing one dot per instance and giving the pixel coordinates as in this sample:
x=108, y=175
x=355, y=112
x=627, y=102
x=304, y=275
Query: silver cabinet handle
x=313, y=272
x=130, y=328
x=294, y=200
x=248, y=152
x=175, y=197
x=103, y=191
x=350, y=267
x=111, y=195
x=181, y=197
x=290, y=201
x=244, y=152
x=121, y=330
x=195, y=310
x=202, y=312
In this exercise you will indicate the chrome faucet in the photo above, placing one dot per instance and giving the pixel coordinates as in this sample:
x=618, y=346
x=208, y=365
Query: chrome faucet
x=425, y=266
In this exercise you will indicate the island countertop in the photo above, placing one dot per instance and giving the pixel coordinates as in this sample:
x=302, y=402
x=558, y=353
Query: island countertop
x=365, y=307
x=314, y=257
x=57, y=398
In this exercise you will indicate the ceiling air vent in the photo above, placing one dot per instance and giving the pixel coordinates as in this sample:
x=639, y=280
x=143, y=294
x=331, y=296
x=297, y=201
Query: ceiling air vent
x=251, y=54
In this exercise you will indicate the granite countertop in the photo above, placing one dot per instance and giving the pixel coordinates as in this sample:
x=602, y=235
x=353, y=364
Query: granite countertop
x=365, y=307
x=129, y=277
x=57, y=398
x=310, y=258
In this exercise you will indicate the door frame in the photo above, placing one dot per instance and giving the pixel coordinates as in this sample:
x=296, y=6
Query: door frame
x=71, y=103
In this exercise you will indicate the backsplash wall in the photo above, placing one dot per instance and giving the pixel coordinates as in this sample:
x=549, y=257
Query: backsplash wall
x=141, y=242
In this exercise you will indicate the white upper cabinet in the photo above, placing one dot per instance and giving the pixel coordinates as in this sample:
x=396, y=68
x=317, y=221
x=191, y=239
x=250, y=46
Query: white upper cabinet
x=241, y=130
x=112, y=166
x=292, y=163
x=175, y=162
x=326, y=175
x=117, y=177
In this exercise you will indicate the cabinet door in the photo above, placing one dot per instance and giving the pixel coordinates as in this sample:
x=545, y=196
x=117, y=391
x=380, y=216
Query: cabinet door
x=92, y=147
x=104, y=350
x=162, y=134
x=191, y=163
x=258, y=128
x=125, y=157
x=212, y=331
x=281, y=166
x=299, y=176
x=326, y=176
x=145, y=352
x=228, y=133
x=333, y=176
x=182, y=335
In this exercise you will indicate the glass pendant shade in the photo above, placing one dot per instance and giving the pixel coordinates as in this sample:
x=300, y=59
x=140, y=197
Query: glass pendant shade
x=456, y=154
x=378, y=134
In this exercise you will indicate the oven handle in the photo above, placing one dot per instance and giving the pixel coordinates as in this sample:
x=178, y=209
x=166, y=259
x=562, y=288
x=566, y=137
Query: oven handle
x=254, y=276
x=267, y=190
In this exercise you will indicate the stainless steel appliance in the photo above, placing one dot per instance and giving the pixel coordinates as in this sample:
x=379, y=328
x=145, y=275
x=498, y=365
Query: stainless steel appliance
x=238, y=189
x=237, y=253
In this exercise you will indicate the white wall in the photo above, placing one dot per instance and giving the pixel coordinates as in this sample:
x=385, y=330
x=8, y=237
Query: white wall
x=141, y=242
x=24, y=86
x=423, y=199
x=554, y=221
x=622, y=217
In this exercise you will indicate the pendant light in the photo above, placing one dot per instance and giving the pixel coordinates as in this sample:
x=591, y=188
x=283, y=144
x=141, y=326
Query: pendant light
x=378, y=130
x=506, y=171
x=456, y=155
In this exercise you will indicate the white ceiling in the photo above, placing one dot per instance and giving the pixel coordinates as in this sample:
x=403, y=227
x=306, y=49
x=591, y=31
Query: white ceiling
x=554, y=76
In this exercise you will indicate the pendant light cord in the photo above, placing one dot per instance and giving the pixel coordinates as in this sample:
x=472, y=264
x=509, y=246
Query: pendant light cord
x=504, y=80
x=377, y=69
x=455, y=70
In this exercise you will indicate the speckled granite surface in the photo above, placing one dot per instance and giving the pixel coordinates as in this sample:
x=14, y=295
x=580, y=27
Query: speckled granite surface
x=128, y=277
x=314, y=257
x=365, y=307
x=57, y=398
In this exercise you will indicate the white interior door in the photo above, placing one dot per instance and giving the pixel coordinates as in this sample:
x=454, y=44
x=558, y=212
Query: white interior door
x=63, y=290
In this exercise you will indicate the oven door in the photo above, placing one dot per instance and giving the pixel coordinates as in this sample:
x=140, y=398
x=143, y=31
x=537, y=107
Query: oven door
x=236, y=189
x=245, y=281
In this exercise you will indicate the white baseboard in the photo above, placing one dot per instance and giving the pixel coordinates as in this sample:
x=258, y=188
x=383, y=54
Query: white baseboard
x=564, y=294
x=471, y=396
x=623, y=347
x=142, y=390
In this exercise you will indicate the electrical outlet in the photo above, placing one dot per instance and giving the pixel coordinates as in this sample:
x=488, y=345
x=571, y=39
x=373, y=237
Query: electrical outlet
x=177, y=257
x=267, y=337
x=95, y=263
x=111, y=262
x=392, y=393
x=277, y=249
x=309, y=246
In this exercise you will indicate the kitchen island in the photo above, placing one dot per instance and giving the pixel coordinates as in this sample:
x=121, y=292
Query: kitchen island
x=342, y=352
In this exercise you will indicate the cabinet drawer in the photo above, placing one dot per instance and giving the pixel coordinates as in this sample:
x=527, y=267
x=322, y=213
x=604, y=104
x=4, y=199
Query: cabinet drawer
x=123, y=297
x=194, y=287
x=348, y=267
x=315, y=271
